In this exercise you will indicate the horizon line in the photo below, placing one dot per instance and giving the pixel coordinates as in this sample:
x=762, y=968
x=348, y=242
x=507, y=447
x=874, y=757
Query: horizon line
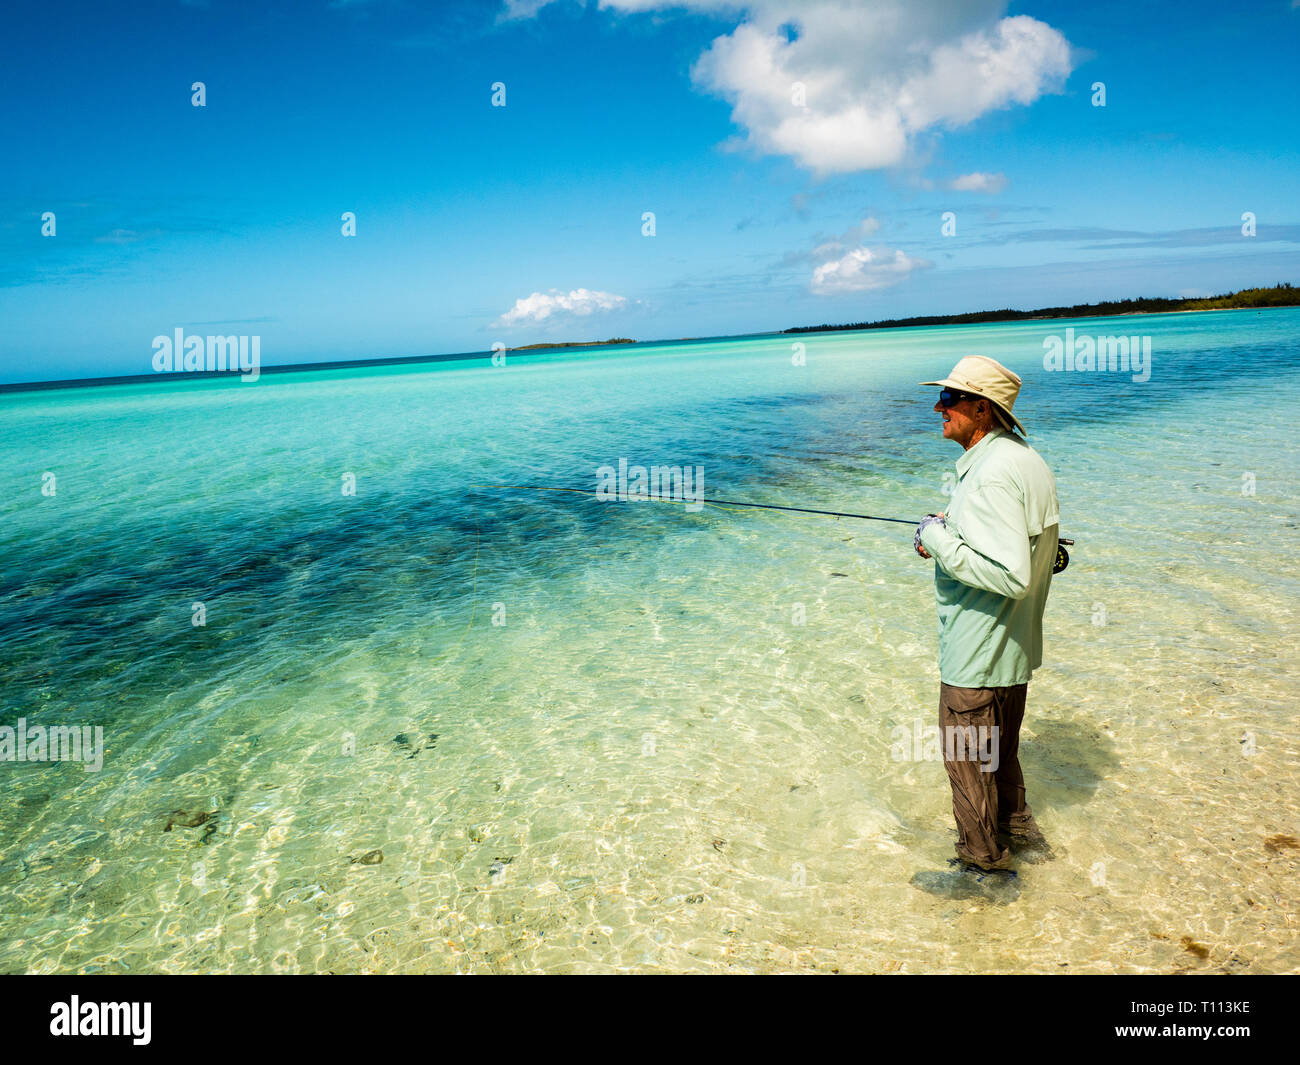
x=545, y=348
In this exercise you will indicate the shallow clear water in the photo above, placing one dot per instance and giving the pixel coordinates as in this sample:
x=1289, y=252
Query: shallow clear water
x=645, y=764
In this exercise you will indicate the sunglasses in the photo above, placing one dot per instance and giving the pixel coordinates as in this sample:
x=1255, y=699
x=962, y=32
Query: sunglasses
x=950, y=397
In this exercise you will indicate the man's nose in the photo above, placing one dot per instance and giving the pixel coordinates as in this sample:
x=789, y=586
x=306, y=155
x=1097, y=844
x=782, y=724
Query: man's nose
x=938, y=407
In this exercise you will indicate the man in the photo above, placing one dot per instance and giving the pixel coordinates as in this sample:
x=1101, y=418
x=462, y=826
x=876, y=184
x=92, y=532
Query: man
x=993, y=549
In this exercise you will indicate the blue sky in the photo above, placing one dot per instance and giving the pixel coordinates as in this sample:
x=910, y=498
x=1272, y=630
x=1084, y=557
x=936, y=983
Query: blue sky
x=518, y=224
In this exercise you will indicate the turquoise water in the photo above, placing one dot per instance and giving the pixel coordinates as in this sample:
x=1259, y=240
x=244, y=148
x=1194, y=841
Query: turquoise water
x=642, y=760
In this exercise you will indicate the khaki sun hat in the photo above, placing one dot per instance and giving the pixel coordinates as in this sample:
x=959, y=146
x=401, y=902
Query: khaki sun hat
x=981, y=376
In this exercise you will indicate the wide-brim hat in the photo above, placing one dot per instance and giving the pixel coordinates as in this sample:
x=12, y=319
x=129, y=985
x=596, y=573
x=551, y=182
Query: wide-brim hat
x=981, y=376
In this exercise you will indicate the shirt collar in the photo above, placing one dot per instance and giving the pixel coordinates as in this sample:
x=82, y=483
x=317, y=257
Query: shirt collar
x=969, y=456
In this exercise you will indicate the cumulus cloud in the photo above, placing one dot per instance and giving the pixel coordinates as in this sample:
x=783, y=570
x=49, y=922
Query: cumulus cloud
x=863, y=229
x=847, y=263
x=863, y=269
x=833, y=246
x=978, y=182
x=871, y=77
x=543, y=305
x=847, y=85
x=519, y=9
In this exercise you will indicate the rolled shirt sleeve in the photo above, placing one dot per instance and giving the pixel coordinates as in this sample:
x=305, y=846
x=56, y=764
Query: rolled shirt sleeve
x=990, y=549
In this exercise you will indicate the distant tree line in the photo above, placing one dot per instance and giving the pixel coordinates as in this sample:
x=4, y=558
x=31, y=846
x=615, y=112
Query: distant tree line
x=1282, y=295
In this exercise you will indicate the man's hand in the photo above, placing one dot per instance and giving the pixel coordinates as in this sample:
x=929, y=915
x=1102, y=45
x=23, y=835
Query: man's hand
x=929, y=519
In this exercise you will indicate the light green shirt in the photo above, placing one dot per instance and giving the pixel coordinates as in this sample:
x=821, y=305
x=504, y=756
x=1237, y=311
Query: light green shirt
x=993, y=563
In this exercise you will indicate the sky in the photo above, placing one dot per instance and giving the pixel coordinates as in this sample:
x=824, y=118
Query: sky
x=524, y=171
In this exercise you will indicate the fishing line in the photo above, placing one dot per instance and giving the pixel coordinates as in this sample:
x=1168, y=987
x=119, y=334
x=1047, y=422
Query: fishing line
x=711, y=502
x=1062, y=556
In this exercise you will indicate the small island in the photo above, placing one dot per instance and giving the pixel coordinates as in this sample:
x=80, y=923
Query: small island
x=1282, y=295
x=576, y=344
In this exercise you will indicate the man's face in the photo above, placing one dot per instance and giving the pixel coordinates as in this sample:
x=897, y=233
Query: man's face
x=959, y=420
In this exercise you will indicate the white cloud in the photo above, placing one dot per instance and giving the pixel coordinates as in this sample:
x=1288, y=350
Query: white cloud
x=874, y=73
x=978, y=182
x=522, y=8
x=847, y=263
x=864, y=229
x=1014, y=61
x=836, y=245
x=863, y=269
x=542, y=305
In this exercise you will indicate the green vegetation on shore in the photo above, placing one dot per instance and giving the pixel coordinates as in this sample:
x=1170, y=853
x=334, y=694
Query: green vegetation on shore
x=576, y=344
x=1282, y=295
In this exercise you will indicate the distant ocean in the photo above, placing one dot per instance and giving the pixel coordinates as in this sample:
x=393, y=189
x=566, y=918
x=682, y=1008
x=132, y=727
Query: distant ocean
x=436, y=727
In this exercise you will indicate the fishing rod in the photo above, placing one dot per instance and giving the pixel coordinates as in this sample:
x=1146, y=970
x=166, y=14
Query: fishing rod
x=1062, y=556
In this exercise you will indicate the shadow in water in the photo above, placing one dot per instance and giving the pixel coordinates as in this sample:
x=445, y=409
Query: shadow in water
x=1000, y=887
x=1064, y=763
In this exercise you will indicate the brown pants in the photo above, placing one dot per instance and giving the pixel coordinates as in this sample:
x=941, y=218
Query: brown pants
x=980, y=729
